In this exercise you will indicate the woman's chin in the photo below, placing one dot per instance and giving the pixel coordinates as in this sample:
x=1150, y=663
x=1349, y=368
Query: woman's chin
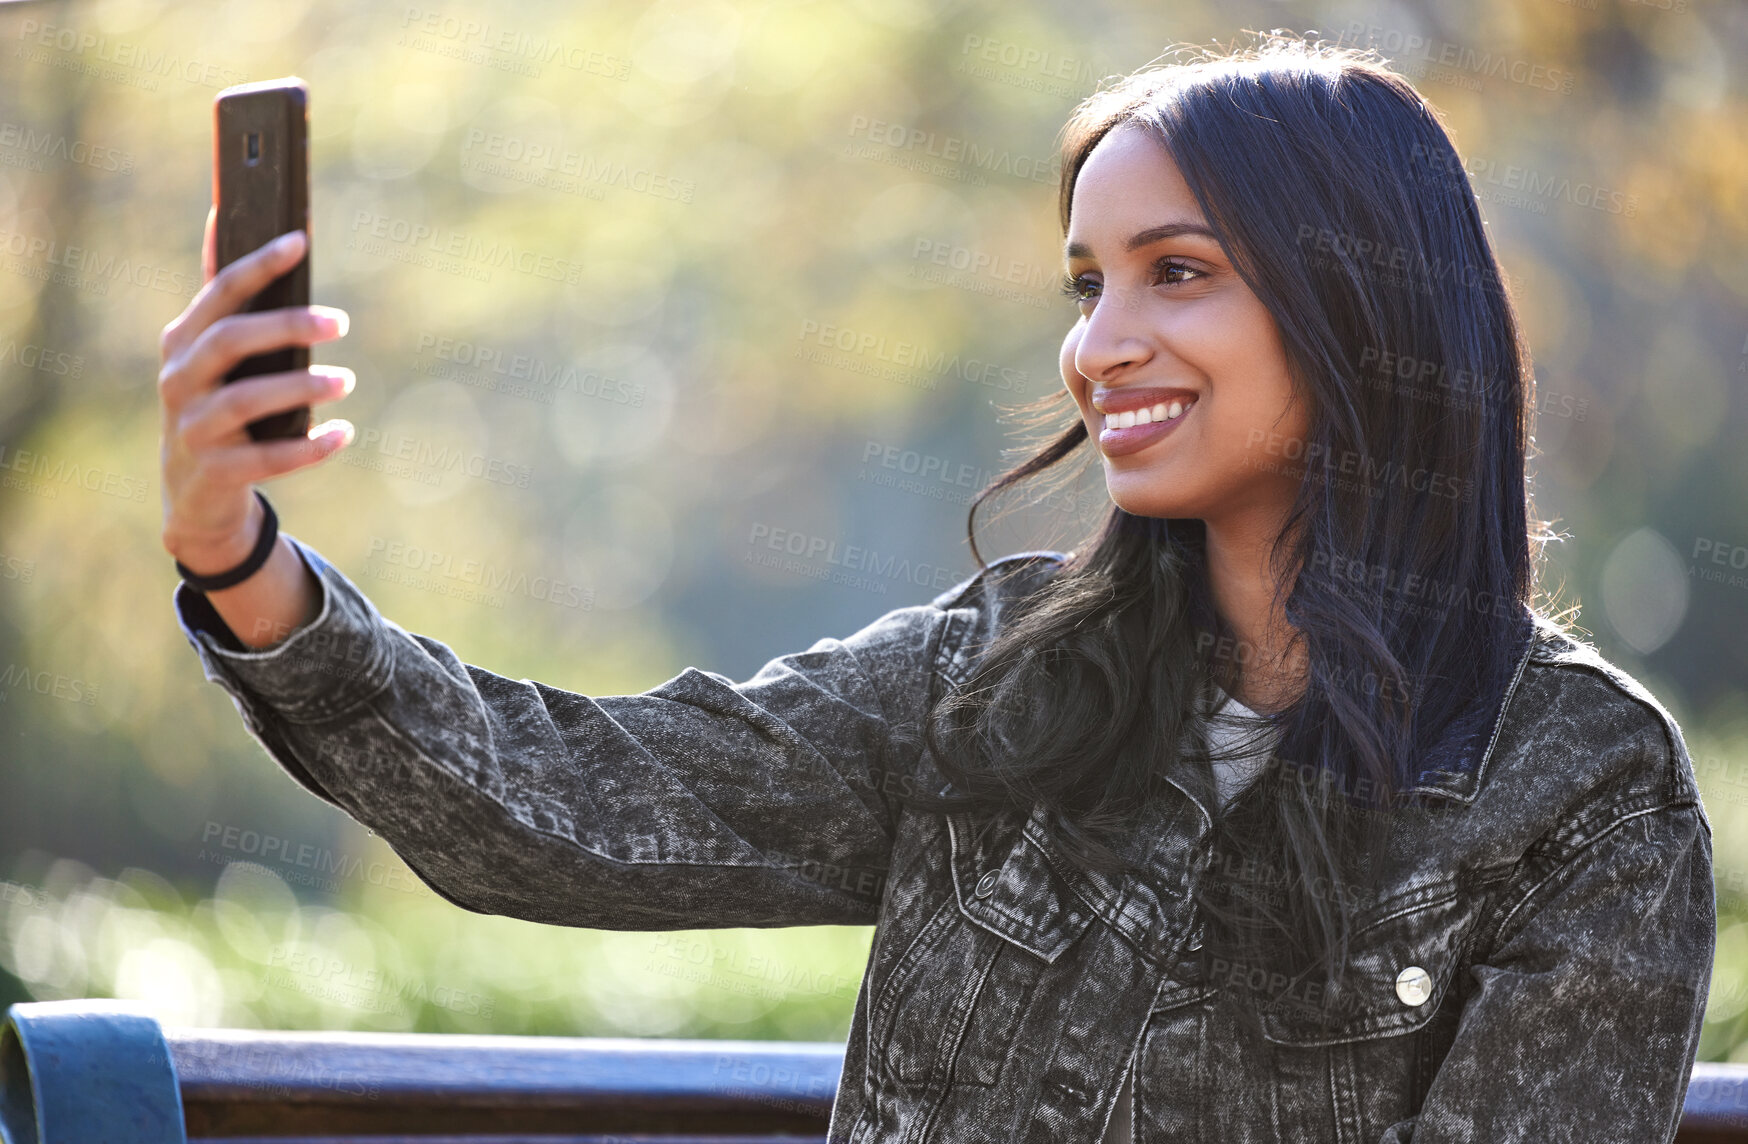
x=1162, y=507
x=1145, y=494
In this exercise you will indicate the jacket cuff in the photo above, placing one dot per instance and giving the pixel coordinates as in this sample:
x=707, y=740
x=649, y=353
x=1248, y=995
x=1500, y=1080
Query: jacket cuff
x=343, y=657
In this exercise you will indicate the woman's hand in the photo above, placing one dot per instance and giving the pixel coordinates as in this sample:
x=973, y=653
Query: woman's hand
x=211, y=517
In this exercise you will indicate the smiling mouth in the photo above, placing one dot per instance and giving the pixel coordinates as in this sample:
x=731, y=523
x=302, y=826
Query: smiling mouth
x=1126, y=432
x=1148, y=415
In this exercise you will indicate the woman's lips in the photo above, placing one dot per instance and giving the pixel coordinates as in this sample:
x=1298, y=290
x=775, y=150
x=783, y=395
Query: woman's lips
x=1118, y=442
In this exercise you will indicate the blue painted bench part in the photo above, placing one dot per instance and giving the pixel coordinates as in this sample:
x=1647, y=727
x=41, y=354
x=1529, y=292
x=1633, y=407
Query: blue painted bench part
x=78, y=1072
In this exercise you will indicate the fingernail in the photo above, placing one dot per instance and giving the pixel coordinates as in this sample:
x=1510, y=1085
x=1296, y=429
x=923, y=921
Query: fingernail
x=333, y=319
x=287, y=242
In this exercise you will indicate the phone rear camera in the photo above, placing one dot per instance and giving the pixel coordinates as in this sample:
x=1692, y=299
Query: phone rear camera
x=252, y=147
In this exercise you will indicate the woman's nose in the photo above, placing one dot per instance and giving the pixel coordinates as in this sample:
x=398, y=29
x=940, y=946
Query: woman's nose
x=1110, y=339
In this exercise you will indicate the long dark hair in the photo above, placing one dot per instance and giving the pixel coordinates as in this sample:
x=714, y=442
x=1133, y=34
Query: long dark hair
x=1406, y=565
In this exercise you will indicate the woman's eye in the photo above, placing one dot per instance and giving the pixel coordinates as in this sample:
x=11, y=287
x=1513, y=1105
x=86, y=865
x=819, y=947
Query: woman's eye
x=1077, y=288
x=1166, y=266
x=1073, y=288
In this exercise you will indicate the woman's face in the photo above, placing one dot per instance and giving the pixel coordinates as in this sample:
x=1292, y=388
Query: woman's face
x=1168, y=322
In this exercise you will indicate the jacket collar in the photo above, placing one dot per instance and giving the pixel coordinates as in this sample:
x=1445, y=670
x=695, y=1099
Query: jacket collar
x=1454, y=767
x=1456, y=764
x=1168, y=843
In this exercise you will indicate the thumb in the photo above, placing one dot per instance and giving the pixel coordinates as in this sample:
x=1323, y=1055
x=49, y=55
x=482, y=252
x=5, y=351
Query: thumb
x=209, y=245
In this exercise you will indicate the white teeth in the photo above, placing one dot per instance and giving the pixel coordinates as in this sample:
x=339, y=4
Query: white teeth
x=1164, y=411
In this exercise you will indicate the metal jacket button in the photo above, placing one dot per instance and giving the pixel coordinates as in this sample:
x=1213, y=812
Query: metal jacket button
x=1414, y=985
x=986, y=884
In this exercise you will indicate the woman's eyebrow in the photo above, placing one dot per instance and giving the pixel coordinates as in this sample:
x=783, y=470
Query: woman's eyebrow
x=1146, y=237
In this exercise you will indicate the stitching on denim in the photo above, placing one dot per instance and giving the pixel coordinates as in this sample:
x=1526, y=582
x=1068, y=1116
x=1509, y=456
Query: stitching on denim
x=950, y=1057
x=1031, y=927
x=319, y=710
x=1113, y=915
x=1419, y=899
x=1389, y=1023
x=313, y=710
x=1504, y=708
x=1344, y=1107
x=903, y=968
x=952, y=637
x=1471, y=783
x=1132, y=1069
x=982, y=594
x=1576, y=856
x=966, y=850
x=342, y=606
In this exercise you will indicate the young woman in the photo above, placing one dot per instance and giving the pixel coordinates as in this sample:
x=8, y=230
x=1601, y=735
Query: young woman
x=1274, y=812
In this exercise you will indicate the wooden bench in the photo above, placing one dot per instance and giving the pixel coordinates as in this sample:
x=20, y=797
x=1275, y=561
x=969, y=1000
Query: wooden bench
x=82, y=1072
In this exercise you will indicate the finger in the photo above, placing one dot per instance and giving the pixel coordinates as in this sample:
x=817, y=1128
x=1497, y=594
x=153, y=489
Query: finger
x=209, y=246
x=224, y=415
x=264, y=460
x=230, y=289
x=176, y=334
x=202, y=366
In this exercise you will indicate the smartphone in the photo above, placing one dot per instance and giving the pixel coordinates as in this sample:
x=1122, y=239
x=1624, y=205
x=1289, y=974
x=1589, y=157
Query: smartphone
x=260, y=185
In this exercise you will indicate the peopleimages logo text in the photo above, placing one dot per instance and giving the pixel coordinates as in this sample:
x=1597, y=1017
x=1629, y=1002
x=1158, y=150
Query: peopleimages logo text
x=955, y=149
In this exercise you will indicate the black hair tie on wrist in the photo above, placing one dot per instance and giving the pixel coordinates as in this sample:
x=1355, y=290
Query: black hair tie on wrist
x=263, y=549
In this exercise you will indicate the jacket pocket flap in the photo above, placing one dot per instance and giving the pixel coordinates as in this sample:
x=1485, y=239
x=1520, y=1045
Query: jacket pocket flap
x=1005, y=884
x=1400, y=968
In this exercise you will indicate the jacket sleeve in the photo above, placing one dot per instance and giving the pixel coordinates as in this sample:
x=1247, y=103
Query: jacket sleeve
x=698, y=803
x=1586, y=1020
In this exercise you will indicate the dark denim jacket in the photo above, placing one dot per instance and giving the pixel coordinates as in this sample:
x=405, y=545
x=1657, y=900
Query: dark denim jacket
x=1536, y=971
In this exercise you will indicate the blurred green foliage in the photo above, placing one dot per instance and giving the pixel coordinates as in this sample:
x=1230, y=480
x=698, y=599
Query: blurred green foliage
x=734, y=267
x=252, y=955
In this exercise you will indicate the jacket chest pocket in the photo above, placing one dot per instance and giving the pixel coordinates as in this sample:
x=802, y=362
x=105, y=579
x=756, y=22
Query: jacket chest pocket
x=1404, y=958
x=962, y=988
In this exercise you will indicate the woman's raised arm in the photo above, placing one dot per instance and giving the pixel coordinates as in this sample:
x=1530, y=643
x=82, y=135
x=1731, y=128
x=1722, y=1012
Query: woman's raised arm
x=701, y=802
x=698, y=803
